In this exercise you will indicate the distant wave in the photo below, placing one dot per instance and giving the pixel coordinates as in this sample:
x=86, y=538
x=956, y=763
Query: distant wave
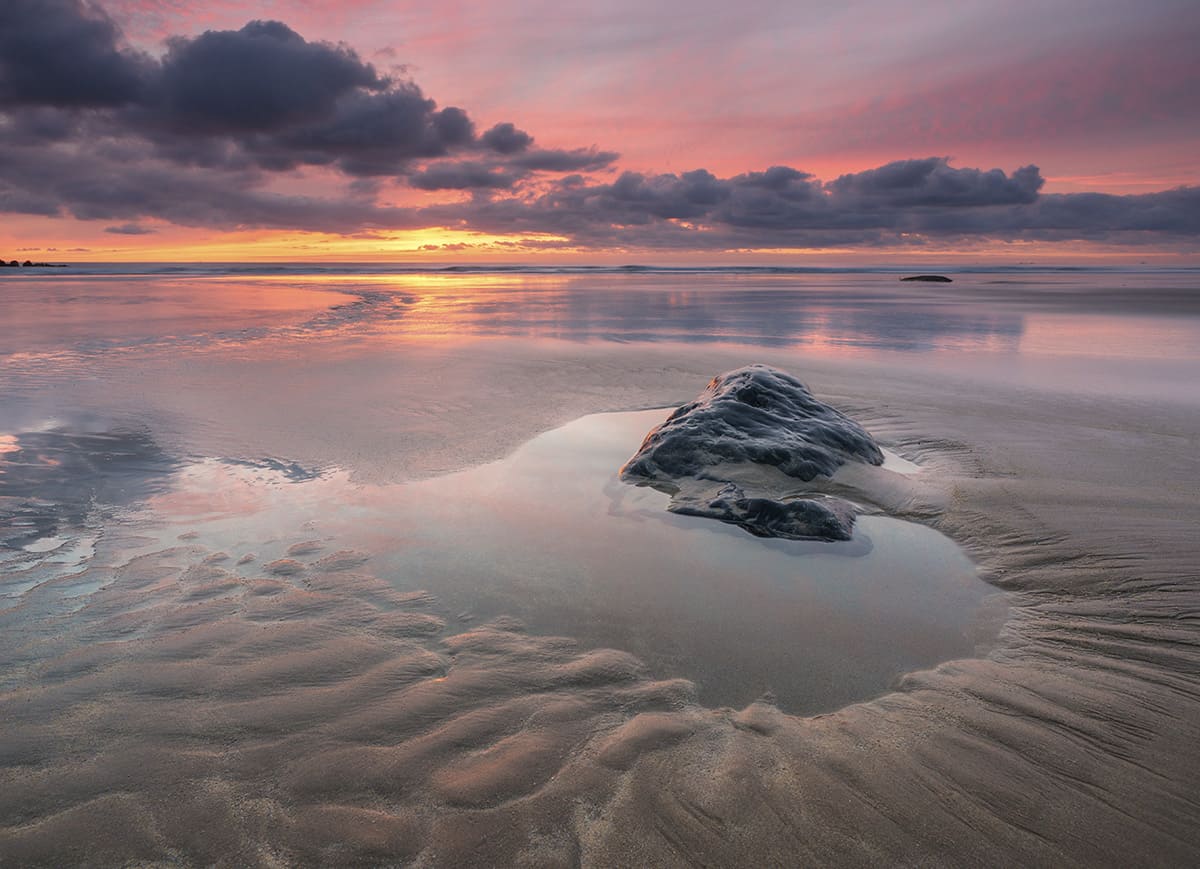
x=368, y=268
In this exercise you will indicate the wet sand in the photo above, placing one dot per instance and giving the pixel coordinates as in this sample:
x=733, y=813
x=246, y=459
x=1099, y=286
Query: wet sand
x=551, y=536
x=173, y=708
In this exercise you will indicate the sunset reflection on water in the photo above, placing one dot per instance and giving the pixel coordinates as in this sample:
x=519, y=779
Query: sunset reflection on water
x=829, y=314
x=761, y=310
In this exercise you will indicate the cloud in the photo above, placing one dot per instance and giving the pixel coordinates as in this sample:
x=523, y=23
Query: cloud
x=258, y=79
x=932, y=182
x=207, y=135
x=461, y=176
x=120, y=186
x=903, y=203
x=506, y=139
x=1101, y=216
x=1089, y=90
x=262, y=95
x=634, y=198
x=65, y=53
x=368, y=134
x=14, y=200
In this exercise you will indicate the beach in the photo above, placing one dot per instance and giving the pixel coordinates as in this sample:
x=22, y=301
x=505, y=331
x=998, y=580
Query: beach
x=332, y=565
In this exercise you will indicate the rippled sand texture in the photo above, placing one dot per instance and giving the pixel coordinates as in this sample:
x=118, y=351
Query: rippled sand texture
x=185, y=712
x=313, y=714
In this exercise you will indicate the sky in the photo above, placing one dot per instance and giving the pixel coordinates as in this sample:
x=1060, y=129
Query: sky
x=1063, y=130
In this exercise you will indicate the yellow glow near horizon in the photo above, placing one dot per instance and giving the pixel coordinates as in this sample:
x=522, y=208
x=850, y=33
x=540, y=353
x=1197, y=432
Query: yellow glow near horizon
x=439, y=245
x=174, y=245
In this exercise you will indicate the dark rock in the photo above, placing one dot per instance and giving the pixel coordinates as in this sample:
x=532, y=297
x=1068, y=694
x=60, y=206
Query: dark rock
x=754, y=416
x=826, y=518
x=932, y=279
x=30, y=264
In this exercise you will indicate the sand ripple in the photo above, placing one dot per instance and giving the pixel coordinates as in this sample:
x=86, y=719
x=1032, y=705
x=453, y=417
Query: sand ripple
x=179, y=709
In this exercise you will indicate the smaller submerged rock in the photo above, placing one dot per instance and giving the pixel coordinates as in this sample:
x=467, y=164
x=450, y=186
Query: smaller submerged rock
x=754, y=416
x=933, y=279
x=825, y=518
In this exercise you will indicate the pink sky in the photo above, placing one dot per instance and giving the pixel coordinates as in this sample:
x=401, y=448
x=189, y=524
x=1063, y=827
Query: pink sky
x=1099, y=95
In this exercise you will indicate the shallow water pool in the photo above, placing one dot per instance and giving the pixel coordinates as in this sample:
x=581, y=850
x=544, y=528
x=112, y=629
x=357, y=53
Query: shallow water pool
x=551, y=536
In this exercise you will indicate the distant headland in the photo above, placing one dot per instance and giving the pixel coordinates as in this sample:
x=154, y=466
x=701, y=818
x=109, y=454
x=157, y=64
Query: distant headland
x=29, y=264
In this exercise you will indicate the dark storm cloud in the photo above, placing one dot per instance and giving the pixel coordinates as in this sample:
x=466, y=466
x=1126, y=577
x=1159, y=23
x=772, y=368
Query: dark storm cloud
x=267, y=95
x=635, y=199
x=112, y=187
x=785, y=207
x=1175, y=212
x=506, y=139
x=368, y=134
x=65, y=53
x=129, y=229
x=521, y=157
x=1146, y=218
x=778, y=178
x=94, y=130
x=258, y=79
x=461, y=176
x=932, y=182
x=780, y=197
x=14, y=200
x=261, y=95
x=39, y=125
x=504, y=174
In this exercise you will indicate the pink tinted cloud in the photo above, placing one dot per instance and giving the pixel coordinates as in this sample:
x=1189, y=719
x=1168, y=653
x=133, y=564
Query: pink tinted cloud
x=730, y=89
x=829, y=87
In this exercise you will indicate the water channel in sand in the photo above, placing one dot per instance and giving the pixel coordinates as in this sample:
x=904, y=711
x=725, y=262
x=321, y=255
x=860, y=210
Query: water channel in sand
x=551, y=536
